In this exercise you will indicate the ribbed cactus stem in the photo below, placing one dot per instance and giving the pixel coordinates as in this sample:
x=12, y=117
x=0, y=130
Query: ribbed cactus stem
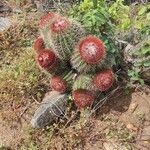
x=83, y=82
x=62, y=34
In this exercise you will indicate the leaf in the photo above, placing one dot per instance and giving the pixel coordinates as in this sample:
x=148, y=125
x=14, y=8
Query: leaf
x=95, y=3
x=131, y=72
x=141, y=81
x=147, y=64
x=148, y=16
x=142, y=10
x=135, y=78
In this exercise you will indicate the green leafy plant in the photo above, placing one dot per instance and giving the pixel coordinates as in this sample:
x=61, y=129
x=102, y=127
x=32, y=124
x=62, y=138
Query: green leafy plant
x=126, y=17
x=133, y=25
x=134, y=76
x=120, y=14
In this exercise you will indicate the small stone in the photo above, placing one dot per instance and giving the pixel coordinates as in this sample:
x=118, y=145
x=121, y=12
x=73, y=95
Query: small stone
x=146, y=134
x=17, y=10
x=4, y=23
x=108, y=146
x=52, y=107
x=114, y=146
x=133, y=107
x=131, y=127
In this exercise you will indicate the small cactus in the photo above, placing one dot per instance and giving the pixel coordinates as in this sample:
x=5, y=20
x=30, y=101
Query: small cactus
x=58, y=84
x=62, y=82
x=103, y=80
x=39, y=45
x=83, y=98
x=47, y=60
x=89, y=55
x=46, y=18
x=76, y=62
x=62, y=34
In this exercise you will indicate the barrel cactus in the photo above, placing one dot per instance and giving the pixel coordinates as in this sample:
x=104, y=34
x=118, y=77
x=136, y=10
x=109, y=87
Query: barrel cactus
x=75, y=61
x=83, y=98
x=103, y=80
x=61, y=34
x=89, y=55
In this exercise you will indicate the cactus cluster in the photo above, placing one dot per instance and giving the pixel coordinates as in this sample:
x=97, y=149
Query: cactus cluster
x=75, y=61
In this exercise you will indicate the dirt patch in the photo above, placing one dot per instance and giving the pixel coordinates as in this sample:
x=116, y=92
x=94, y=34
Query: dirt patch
x=122, y=121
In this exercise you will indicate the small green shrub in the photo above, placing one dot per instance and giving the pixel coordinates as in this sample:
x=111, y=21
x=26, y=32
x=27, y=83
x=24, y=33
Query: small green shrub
x=126, y=17
x=133, y=26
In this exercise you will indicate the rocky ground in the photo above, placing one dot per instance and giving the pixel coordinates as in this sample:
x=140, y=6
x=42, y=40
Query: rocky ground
x=122, y=123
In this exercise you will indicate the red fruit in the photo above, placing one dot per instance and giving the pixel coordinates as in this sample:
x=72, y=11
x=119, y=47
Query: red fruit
x=83, y=98
x=58, y=84
x=46, y=18
x=91, y=49
x=47, y=59
x=38, y=44
x=60, y=24
x=104, y=80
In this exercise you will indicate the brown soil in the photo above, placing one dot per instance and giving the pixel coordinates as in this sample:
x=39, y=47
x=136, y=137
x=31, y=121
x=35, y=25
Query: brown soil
x=129, y=113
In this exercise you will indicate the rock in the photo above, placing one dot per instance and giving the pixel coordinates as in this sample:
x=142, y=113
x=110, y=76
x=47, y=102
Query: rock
x=17, y=10
x=4, y=8
x=4, y=23
x=108, y=146
x=133, y=107
x=115, y=146
x=131, y=127
x=52, y=107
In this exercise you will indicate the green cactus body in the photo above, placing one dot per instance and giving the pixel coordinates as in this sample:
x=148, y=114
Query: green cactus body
x=63, y=41
x=69, y=77
x=81, y=66
x=83, y=82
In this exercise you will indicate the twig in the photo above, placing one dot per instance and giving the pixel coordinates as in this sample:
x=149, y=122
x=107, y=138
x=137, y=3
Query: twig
x=26, y=108
x=71, y=119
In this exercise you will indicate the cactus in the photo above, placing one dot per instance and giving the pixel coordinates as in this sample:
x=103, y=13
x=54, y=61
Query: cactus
x=83, y=82
x=77, y=63
x=58, y=84
x=83, y=91
x=89, y=55
x=38, y=44
x=103, y=80
x=62, y=83
x=83, y=98
x=62, y=34
x=47, y=60
x=46, y=18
